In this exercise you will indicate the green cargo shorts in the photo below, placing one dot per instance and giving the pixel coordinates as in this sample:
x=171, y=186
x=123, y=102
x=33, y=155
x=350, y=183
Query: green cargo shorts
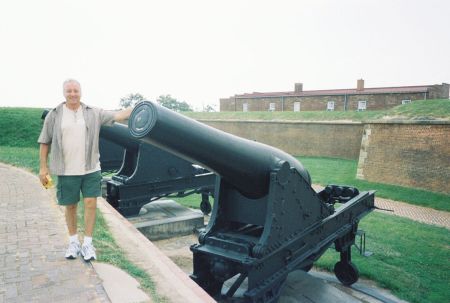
x=68, y=188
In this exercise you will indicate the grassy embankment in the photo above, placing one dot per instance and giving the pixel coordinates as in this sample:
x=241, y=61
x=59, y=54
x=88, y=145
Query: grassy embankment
x=409, y=258
x=417, y=110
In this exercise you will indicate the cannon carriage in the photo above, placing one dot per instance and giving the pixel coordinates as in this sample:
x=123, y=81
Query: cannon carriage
x=267, y=220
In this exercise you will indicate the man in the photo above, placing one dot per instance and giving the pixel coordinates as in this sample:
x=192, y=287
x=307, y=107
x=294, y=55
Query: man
x=72, y=130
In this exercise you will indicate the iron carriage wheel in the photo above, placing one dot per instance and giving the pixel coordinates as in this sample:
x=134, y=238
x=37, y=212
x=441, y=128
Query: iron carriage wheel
x=346, y=272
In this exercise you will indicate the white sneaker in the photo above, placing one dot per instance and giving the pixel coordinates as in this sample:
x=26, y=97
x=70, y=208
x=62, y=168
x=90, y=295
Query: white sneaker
x=73, y=250
x=88, y=252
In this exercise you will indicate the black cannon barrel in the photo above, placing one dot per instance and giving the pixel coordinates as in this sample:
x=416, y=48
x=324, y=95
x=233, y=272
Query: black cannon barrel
x=119, y=134
x=243, y=163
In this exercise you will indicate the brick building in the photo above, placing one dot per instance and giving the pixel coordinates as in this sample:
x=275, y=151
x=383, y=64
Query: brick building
x=359, y=98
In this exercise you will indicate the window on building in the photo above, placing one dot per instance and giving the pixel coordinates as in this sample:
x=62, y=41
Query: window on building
x=406, y=101
x=330, y=106
x=362, y=105
x=297, y=106
x=245, y=107
x=271, y=107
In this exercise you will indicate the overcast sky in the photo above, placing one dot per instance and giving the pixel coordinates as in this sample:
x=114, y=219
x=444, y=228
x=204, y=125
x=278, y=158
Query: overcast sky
x=199, y=51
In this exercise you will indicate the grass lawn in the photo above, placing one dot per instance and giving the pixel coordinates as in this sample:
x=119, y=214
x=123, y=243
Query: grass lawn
x=410, y=258
x=26, y=157
x=20, y=126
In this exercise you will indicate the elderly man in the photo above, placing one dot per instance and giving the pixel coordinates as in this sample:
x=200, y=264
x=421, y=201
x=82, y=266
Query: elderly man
x=72, y=130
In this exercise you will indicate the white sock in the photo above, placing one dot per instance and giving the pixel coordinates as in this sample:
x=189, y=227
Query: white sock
x=87, y=240
x=74, y=238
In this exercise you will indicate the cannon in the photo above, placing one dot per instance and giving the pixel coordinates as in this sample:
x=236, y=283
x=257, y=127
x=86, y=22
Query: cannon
x=149, y=173
x=267, y=220
x=145, y=173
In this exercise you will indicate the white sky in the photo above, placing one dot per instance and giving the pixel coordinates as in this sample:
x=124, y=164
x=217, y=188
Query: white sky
x=199, y=51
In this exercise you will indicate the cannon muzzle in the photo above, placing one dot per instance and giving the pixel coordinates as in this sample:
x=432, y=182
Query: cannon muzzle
x=243, y=163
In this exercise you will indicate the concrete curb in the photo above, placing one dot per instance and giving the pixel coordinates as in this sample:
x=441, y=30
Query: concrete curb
x=171, y=282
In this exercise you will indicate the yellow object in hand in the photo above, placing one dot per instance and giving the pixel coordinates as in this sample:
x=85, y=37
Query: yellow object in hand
x=49, y=183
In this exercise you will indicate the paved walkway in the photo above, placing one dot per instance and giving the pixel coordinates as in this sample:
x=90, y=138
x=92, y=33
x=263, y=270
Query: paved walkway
x=33, y=240
x=413, y=212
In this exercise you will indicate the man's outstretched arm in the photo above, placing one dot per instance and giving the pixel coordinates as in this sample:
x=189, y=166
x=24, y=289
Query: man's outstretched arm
x=123, y=114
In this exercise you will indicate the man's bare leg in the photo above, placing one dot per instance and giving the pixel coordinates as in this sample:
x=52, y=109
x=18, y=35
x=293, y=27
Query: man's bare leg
x=90, y=208
x=71, y=221
x=71, y=218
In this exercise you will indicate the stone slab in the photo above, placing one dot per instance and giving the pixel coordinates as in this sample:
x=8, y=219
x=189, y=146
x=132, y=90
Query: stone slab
x=119, y=285
x=163, y=219
x=318, y=287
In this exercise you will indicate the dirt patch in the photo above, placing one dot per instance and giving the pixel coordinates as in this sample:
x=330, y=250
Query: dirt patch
x=177, y=249
x=185, y=263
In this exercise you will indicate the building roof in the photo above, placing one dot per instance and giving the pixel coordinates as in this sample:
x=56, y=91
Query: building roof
x=330, y=92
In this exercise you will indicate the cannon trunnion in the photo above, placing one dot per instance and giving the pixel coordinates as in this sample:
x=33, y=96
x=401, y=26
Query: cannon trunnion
x=267, y=220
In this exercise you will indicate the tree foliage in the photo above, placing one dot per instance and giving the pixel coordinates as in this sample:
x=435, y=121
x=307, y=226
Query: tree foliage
x=173, y=104
x=209, y=108
x=131, y=100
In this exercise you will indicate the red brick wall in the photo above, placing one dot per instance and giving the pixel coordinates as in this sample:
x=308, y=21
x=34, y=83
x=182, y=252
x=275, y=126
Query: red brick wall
x=227, y=105
x=315, y=103
x=337, y=140
x=407, y=154
x=439, y=91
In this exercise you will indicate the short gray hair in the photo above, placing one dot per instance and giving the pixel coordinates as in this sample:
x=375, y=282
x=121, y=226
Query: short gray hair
x=71, y=81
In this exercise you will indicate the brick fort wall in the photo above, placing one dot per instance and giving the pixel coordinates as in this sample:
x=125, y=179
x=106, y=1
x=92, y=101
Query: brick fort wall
x=407, y=154
x=337, y=140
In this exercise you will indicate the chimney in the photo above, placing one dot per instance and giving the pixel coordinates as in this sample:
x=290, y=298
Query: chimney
x=360, y=84
x=298, y=87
